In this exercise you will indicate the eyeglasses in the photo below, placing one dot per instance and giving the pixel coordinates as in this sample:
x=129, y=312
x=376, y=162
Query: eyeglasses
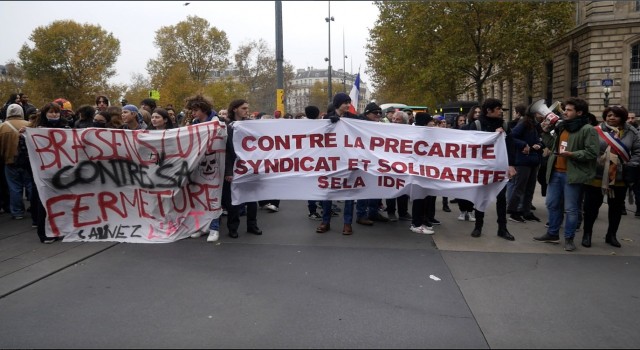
x=377, y=112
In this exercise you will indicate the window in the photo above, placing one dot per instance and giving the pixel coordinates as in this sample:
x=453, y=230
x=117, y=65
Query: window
x=549, y=71
x=574, y=73
x=634, y=79
x=637, y=5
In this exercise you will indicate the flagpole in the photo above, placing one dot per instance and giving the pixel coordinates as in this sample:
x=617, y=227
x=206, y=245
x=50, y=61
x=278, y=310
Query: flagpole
x=344, y=66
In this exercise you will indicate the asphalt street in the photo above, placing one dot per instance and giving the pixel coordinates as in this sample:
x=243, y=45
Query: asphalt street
x=382, y=287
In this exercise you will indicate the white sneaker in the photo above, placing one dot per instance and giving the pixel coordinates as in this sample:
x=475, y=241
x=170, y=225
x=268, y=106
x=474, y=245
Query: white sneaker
x=271, y=207
x=472, y=216
x=213, y=236
x=197, y=234
x=428, y=230
x=463, y=216
x=422, y=229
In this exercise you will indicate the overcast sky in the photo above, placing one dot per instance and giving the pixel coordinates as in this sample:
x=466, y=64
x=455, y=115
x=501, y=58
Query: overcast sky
x=134, y=23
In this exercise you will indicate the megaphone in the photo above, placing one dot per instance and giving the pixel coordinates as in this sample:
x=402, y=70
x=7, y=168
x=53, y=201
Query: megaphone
x=550, y=118
x=557, y=107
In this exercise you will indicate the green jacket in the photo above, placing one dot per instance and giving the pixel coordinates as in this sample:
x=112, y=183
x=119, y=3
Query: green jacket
x=584, y=143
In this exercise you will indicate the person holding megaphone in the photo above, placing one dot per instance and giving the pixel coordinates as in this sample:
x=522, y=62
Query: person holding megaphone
x=572, y=163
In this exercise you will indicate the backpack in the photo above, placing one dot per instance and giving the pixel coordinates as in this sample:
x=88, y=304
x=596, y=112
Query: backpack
x=21, y=159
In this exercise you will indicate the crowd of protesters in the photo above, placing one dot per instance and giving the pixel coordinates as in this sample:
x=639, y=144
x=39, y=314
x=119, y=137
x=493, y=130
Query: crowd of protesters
x=579, y=162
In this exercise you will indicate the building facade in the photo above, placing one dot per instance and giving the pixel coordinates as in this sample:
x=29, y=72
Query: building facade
x=298, y=95
x=602, y=49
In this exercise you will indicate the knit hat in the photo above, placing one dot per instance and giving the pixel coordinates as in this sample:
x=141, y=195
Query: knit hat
x=131, y=108
x=15, y=110
x=340, y=98
x=312, y=112
x=64, y=104
x=372, y=107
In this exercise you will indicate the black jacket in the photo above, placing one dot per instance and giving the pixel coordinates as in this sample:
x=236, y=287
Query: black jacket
x=491, y=125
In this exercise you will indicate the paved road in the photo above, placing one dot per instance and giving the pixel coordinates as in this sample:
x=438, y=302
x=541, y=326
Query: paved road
x=383, y=287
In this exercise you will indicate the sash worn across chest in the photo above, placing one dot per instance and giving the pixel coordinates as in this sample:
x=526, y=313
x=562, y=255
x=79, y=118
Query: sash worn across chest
x=617, y=146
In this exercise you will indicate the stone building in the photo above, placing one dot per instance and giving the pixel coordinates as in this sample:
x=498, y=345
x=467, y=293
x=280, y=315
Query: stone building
x=297, y=97
x=602, y=49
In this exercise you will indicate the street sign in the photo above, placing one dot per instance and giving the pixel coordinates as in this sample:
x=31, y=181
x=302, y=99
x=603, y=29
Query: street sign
x=607, y=82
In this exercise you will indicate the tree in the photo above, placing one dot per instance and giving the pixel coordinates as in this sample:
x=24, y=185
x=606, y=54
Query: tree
x=177, y=85
x=255, y=65
x=69, y=60
x=138, y=90
x=225, y=90
x=190, y=44
x=11, y=80
x=435, y=49
x=318, y=95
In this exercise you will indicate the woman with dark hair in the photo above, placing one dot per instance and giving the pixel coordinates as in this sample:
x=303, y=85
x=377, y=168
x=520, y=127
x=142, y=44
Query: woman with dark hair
x=103, y=120
x=49, y=118
x=617, y=168
x=474, y=113
x=160, y=120
x=525, y=137
x=461, y=120
x=238, y=110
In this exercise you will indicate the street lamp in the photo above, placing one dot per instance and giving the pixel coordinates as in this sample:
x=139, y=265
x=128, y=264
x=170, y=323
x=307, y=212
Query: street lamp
x=328, y=20
x=607, y=91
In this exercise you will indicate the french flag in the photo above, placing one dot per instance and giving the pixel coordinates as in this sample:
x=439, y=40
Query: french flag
x=353, y=95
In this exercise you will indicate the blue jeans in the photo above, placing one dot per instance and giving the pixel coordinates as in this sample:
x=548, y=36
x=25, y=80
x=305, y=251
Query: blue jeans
x=18, y=179
x=557, y=191
x=215, y=224
x=347, y=212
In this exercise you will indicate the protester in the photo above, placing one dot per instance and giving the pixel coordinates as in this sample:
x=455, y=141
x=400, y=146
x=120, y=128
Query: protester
x=525, y=137
x=132, y=119
x=238, y=110
x=491, y=120
x=574, y=146
x=50, y=117
x=201, y=110
x=160, y=120
x=339, y=108
x=102, y=120
x=102, y=103
x=367, y=210
x=85, y=114
x=19, y=179
x=418, y=224
x=402, y=202
x=617, y=168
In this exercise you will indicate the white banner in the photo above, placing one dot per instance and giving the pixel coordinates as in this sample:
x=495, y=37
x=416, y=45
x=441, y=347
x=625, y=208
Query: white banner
x=128, y=186
x=354, y=159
